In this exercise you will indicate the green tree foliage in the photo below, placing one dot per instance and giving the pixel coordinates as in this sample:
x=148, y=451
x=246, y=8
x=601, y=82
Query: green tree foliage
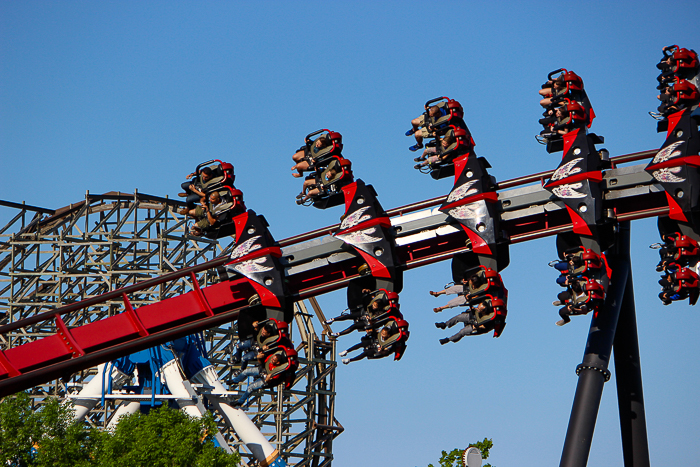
x=17, y=426
x=164, y=438
x=450, y=459
x=454, y=457
x=47, y=437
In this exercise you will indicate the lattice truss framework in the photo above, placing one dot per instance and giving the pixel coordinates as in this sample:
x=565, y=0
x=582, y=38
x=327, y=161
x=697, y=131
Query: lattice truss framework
x=50, y=258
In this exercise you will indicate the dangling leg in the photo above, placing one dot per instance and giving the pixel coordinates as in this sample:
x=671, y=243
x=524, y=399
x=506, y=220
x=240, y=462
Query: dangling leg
x=364, y=354
x=564, y=313
x=467, y=330
x=344, y=332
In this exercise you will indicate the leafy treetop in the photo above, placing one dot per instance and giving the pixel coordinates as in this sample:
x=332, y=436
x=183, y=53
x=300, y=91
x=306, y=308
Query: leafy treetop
x=48, y=437
x=454, y=457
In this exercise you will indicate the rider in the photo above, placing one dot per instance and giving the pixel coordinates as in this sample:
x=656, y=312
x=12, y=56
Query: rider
x=299, y=157
x=470, y=323
x=372, y=347
x=365, y=319
x=431, y=155
x=263, y=372
x=474, y=282
x=193, y=188
x=568, y=298
x=311, y=182
x=421, y=129
x=205, y=214
x=249, y=345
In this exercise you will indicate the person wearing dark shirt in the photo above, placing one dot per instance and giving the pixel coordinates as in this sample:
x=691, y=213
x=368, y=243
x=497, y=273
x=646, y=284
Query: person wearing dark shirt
x=193, y=188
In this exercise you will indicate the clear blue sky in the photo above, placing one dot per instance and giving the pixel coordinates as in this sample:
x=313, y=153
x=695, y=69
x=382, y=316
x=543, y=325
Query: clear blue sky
x=104, y=96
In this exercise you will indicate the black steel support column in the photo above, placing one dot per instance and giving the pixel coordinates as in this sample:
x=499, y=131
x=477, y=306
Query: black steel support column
x=593, y=371
x=628, y=378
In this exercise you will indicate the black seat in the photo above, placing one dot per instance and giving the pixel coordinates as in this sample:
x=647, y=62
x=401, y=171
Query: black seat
x=231, y=205
x=319, y=157
x=222, y=175
x=330, y=189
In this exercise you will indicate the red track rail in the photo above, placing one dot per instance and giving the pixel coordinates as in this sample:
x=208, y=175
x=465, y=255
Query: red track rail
x=71, y=350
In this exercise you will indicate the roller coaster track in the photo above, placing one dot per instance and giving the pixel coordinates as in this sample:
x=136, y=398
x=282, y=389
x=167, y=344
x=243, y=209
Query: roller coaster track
x=315, y=263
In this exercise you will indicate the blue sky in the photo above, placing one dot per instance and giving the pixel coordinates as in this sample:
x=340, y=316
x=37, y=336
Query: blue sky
x=104, y=96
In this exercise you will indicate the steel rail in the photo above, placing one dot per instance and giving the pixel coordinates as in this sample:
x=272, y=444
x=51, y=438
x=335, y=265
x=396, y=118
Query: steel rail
x=334, y=285
x=513, y=182
x=114, y=294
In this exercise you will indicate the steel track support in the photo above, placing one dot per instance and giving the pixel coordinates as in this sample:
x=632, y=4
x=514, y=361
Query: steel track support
x=628, y=379
x=593, y=371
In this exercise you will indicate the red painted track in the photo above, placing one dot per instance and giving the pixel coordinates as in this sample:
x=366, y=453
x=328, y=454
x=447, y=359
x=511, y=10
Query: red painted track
x=71, y=350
